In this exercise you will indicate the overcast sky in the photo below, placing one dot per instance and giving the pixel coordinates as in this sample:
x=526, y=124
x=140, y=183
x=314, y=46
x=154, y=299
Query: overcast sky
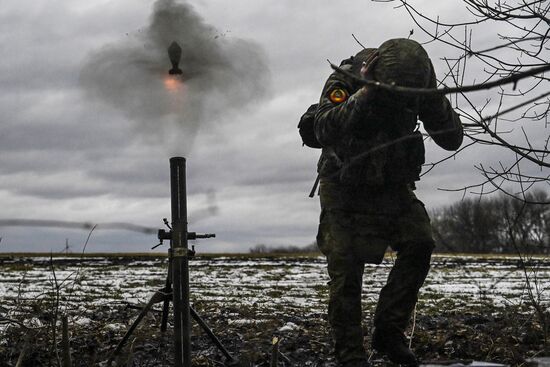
x=88, y=123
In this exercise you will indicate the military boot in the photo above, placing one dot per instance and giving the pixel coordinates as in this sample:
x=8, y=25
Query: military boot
x=393, y=344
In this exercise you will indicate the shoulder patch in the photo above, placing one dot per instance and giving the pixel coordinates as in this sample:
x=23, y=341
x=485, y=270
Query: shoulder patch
x=338, y=95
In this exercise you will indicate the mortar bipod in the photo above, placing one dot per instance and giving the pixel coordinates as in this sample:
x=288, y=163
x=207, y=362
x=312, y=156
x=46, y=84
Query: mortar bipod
x=165, y=295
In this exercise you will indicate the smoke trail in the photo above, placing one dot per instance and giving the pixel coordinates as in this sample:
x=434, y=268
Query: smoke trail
x=221, y=75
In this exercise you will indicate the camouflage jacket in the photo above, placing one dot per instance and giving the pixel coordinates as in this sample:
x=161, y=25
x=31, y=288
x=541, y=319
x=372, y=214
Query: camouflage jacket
x=375, y=142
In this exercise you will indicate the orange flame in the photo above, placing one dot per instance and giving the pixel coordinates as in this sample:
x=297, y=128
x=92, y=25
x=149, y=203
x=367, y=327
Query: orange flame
x=172, y=84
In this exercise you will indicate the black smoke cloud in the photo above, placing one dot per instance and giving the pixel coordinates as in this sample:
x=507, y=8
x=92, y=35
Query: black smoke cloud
x=221, y=75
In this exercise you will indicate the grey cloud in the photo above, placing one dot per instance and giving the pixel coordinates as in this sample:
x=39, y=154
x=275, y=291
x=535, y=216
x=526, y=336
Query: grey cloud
x=65, y=184
x=67, y=156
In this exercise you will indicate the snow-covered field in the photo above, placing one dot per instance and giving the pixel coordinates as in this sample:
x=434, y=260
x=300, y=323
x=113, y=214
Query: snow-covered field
x=290, y=283
x=475, y=307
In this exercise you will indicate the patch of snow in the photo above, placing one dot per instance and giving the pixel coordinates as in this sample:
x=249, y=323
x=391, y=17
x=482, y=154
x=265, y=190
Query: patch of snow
x=289, y=326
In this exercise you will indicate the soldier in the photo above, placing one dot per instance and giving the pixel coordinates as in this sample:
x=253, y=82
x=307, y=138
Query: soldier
x=372, y=155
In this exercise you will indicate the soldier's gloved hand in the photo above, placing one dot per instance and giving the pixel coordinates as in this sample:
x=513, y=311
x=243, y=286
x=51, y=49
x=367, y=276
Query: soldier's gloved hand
x=435, y=108
x=361, y=99
x=367, y=72
x=434, y=111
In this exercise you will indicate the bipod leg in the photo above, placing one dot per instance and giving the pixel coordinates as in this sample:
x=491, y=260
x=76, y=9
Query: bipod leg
x=166, y=305
x=159, y=296
x=211, y=335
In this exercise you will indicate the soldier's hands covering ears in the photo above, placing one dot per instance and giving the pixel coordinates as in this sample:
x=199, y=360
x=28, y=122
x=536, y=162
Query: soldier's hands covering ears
x=367, y=72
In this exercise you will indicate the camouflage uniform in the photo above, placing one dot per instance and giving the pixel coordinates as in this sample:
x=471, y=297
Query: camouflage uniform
x=371, y=158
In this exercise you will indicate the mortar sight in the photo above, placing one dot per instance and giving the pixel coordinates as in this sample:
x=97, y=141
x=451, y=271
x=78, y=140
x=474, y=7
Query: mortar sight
x=165, y=235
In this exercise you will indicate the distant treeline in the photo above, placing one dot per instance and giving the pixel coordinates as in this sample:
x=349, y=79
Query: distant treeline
x=496, y=224
x=264, y=249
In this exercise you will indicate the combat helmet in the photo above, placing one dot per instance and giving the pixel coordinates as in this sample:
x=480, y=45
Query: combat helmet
x=402, y=62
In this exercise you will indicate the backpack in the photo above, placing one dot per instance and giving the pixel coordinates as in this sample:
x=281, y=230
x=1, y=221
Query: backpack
x=306, y=130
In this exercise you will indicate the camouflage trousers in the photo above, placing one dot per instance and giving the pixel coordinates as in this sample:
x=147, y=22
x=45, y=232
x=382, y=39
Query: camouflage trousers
x=350, y=238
